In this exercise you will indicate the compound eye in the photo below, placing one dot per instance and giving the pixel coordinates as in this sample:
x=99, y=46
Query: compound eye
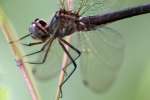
x=33, y=28
x=43, y=23
x=36, y=19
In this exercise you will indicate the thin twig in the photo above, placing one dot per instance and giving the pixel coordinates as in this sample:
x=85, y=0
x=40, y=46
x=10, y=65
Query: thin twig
x=10, y=35
x=62, y=74
x=65, y=59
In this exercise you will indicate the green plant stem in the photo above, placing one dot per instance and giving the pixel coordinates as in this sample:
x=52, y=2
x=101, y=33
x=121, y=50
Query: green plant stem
x=9, y=33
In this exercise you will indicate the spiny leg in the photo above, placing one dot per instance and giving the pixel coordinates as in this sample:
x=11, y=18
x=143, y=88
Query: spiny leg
x=33, y=43
x=20, y=38
x=45, y=55
x=43, y=47
x=74, y=63
x=73, y=48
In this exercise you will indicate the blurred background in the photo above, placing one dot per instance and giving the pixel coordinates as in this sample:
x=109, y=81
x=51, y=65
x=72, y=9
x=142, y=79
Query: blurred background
x=132, y=83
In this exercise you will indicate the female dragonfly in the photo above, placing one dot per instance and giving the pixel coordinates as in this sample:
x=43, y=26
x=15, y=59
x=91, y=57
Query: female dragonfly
x=102, y=49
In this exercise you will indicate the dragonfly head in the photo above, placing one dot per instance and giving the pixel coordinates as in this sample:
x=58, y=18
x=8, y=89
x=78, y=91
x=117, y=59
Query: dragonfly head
x=38, y=29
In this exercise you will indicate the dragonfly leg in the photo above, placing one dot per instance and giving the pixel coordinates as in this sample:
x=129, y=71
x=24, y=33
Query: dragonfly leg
x=43, y=47
x=73, y=48
x=46, y=53
x=34, y=43
x=20, y=38
x=74, y=63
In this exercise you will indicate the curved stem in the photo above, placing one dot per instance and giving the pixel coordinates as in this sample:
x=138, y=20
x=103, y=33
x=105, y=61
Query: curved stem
x=10, y=35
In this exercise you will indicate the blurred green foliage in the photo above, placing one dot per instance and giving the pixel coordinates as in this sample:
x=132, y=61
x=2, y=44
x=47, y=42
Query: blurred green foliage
x=4, y=94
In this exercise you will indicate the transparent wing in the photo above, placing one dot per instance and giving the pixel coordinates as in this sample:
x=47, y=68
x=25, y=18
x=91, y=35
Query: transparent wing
x=93, y=7
x=102, y=56
x=51, y=67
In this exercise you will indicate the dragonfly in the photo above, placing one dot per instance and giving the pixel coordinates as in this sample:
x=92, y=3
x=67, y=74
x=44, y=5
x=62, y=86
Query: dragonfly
x=101, y=49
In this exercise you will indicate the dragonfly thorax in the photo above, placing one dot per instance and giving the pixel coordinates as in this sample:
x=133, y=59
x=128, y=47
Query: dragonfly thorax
x=63, y=23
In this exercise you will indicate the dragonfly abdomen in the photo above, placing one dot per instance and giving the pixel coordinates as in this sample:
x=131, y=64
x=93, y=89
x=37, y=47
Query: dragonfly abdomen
x=97, y=20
